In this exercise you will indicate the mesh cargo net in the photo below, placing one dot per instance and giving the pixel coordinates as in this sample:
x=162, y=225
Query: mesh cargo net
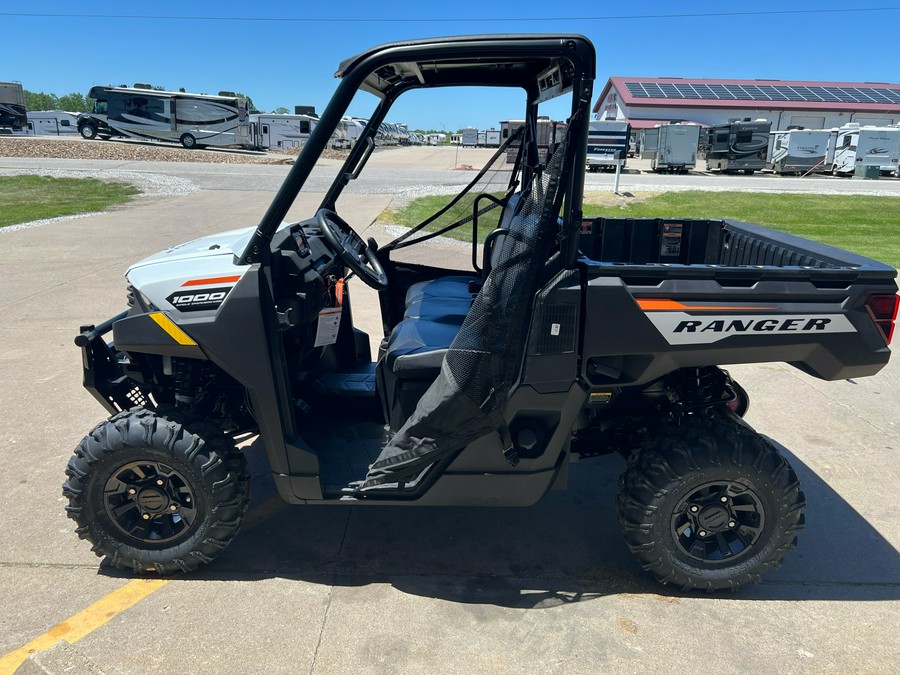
x=464, y=402
x=475, y=206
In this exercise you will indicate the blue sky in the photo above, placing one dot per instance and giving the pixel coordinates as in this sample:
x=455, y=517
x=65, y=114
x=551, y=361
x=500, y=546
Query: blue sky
x=283, y=63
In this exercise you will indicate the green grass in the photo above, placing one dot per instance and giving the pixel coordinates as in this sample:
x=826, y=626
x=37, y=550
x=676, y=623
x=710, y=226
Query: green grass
x=27, y=198
x=863, y=224
x=422, y=208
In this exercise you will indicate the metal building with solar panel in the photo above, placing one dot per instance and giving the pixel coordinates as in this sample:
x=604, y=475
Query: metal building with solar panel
x=647, y=101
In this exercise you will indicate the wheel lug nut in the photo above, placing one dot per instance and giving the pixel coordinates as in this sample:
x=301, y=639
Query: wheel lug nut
x=723, y=499
x=731, y=523
x=146, y=516
x=187, y=499
x=694, y=509
x=132, y=491
x=173, y=508
x=160, y=481
x=702, y=533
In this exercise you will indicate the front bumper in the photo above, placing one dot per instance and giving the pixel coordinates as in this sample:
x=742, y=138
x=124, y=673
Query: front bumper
x=104, y=375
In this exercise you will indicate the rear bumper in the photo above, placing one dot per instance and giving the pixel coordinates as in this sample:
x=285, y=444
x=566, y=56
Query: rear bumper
x=104, y=376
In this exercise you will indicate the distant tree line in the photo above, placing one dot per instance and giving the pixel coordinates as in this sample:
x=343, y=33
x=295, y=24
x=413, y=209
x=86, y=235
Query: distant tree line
x=73, y=102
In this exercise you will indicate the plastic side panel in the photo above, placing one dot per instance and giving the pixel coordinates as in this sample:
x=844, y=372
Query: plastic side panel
x=140, y=334
x=827, y=333
x=237, y=341
x=488, y=489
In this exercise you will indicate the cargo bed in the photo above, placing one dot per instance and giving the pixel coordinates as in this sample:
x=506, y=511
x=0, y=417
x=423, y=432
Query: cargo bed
x=687, y=292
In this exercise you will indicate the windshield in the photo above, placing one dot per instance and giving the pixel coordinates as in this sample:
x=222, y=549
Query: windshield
x=100, y=107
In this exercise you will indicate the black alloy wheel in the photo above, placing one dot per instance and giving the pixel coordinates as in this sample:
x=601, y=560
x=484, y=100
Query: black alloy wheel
x=150, y=502
x=718, y=522
x=156, y=492
x=709, y=504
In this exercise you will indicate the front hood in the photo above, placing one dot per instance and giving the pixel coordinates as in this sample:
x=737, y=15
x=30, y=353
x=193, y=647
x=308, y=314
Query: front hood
x=221, y=243
x=192, y=277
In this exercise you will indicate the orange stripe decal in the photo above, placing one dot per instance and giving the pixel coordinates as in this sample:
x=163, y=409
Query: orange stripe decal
x=213, y=280
x=663, y=305
x=660, y=305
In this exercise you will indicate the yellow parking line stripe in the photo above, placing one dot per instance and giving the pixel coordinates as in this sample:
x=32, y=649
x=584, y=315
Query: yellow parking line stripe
x=110, y=606
x=86, y=621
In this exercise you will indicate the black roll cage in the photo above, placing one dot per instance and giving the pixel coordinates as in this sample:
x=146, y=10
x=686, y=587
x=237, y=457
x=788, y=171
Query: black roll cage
x=544, y=66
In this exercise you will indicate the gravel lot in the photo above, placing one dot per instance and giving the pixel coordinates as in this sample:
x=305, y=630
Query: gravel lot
x=76, y=148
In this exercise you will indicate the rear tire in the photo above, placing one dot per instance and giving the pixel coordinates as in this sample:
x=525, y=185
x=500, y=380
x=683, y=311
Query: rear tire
x=155, y=494
x=189, y=141
x=710, y=505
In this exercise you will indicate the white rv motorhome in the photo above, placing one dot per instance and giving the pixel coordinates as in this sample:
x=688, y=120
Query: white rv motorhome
x=607, y=144
x=194, y=120
x=50, y=123
x=677, y=147
x=853, y=145
x=799, y=150
x=270, y=131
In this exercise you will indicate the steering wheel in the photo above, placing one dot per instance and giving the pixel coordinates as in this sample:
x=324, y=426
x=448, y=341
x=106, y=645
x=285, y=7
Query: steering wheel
x=343, y=241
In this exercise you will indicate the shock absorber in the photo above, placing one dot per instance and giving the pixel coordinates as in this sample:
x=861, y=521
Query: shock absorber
x=186, y=380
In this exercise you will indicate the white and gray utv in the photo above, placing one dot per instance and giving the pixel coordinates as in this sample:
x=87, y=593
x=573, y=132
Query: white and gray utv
x=569, y=337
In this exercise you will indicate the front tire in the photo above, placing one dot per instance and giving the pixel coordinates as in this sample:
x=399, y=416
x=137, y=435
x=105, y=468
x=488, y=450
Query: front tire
x=155, y=494
x=88, y=132
x=710, y=505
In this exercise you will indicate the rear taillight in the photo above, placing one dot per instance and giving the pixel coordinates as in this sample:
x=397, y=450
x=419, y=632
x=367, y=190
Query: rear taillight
x=883, y=310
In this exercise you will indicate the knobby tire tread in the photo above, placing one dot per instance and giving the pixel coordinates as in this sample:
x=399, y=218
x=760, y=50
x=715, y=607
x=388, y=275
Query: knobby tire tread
x=679, y=452
x=221, y=472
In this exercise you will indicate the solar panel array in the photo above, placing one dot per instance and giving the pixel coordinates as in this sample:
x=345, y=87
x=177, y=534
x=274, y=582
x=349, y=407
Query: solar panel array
x=764, y=92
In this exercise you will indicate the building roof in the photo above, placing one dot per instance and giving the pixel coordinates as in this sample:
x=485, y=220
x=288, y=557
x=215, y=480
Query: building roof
x=768, y=94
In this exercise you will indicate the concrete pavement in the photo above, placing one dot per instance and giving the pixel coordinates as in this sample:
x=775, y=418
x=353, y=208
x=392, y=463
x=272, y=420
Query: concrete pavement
x=317, y=589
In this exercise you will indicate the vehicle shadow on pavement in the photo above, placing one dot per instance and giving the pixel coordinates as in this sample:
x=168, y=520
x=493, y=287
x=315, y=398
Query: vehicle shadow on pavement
x=566, y=549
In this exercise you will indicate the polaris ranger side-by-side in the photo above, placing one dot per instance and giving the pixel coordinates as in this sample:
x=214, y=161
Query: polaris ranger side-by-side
x=569, y=338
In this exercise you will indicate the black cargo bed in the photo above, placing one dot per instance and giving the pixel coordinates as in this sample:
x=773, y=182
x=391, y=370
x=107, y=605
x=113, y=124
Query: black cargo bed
x=718, y=247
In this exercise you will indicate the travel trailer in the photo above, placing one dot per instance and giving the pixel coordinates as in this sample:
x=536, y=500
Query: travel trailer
x=348, y=130
x=649, y=143
x=677, y=150
x=799, y=150
x=51, y=123
x=607, y=144
x=194, y=120
x=492, y=138
x=469, y=137
x=737, y=146
x=853, y=145
x=548, y=132
x=280, y=131
x=12, y=106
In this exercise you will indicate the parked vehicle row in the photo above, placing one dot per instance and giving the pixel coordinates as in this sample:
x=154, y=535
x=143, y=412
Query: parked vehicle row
x=835, y=151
